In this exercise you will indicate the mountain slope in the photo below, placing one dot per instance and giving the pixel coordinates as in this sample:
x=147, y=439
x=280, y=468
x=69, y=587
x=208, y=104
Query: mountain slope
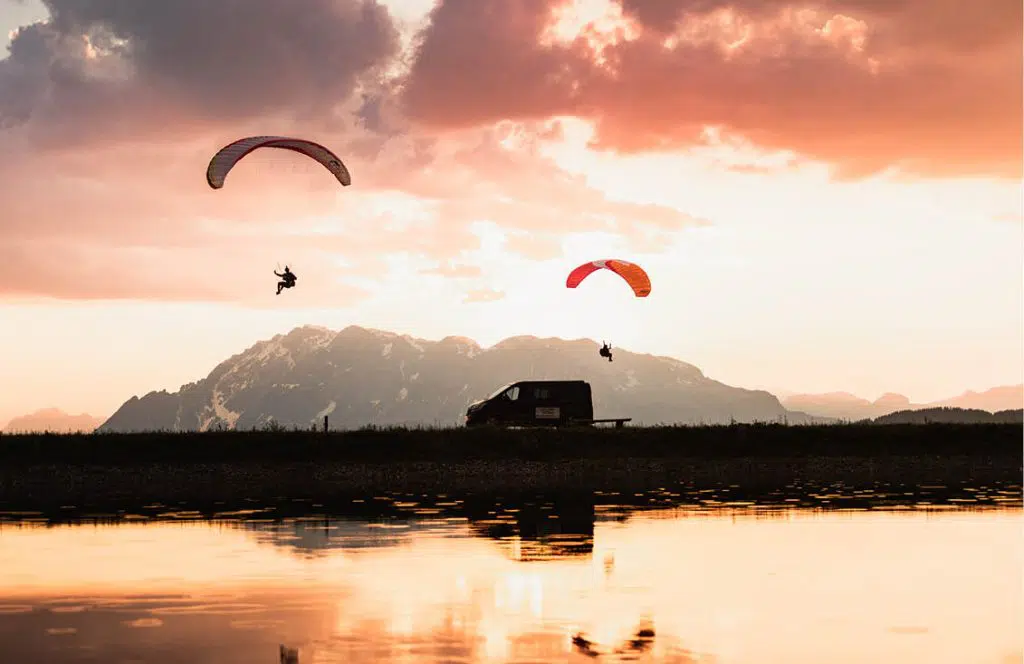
x=843, y=405
x=360, y=376
x=54, y=420
x=1006, y=397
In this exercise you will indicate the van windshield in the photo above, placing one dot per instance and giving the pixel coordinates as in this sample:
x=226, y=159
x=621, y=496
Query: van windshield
x=500, y=390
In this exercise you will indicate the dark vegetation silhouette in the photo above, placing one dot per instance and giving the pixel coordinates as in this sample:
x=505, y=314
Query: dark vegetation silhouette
x=394, y=444
x=946, y=415
x=225, y=465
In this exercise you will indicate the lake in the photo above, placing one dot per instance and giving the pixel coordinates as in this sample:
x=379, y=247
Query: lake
x=810, y=575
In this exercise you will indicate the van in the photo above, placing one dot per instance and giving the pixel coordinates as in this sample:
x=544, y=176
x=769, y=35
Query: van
x=535, y=403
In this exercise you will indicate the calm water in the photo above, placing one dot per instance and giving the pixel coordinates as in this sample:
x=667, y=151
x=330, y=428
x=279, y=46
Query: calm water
x=929, y=575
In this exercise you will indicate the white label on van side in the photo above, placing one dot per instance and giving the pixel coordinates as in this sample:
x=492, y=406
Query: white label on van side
x=548, y=413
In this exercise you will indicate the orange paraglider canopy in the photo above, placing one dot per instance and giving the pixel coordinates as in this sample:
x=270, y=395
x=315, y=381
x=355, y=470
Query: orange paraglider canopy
x=633, y=274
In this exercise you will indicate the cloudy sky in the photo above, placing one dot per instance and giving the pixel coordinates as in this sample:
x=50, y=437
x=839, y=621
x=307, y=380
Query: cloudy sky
x=826, y=194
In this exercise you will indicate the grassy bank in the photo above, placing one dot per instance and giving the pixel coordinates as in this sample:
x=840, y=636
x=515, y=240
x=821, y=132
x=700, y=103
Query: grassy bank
x=108, y=469
x=461, y=444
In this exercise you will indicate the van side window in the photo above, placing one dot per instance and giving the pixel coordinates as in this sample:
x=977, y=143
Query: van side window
x=512, y=393
x=540, y=393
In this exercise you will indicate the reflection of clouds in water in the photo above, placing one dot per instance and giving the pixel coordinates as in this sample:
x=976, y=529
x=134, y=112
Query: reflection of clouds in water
x=517, y=588
x=111, y=632
x=211, y=607
x=810, y=587
x=67, y=609
x=257, y=623
x=488, y=618
x=123, y=603
x=14, y=608
x=508, y=608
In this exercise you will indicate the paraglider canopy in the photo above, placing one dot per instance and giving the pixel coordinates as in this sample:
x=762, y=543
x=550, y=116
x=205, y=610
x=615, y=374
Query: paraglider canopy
x=229, y=155
x=633, y=274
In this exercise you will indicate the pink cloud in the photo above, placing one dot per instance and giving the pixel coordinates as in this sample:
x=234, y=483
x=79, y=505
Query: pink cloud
x=537, y=246
x=931, y=86
x=456, y=271
x=110, y=114
x=483, y=295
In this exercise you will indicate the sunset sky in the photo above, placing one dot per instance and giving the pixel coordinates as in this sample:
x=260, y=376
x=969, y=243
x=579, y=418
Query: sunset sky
x=826, y=195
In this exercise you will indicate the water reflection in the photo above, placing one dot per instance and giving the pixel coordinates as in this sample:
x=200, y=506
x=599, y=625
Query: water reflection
x=529, y=529
x=810, y=574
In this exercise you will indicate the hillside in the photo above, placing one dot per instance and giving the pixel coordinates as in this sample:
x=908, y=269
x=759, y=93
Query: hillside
x=361, y=376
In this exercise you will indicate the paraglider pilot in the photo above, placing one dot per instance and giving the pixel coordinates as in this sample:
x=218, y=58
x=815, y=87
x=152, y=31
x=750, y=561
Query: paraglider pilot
x=606, y=351
x=287, y=279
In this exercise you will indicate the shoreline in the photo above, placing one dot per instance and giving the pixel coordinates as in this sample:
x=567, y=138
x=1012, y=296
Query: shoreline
x=184, y=481
x=51, y=470
x=460, y=444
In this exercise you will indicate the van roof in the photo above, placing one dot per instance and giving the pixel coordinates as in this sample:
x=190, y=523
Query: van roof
x=549, y=382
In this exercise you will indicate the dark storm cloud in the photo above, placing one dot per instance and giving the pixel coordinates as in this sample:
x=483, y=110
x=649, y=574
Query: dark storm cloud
x=100, y=68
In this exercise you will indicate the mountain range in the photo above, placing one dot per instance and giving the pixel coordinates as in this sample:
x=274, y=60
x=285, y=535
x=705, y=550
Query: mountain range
x=361, y=376
x=846, y=406
x=55, y=420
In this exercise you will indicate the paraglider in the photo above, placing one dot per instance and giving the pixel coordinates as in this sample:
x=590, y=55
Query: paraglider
x=288, y=279
x=229, y=155
x=631, y=273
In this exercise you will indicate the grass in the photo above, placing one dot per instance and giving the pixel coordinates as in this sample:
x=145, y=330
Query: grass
x=50, y=471
x=392, y=445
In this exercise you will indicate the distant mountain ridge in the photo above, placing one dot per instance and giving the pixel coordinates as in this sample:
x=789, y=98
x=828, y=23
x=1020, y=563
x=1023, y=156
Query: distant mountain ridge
x=53, y=420
x=947, y=414
x=846, y=406
x=360, y=376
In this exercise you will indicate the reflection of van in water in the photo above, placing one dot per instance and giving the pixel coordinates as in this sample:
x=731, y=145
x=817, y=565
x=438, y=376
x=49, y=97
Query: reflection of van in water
x=537, y=403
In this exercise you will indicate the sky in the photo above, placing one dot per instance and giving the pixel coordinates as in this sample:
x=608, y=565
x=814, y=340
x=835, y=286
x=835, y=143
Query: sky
x=826, y=195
